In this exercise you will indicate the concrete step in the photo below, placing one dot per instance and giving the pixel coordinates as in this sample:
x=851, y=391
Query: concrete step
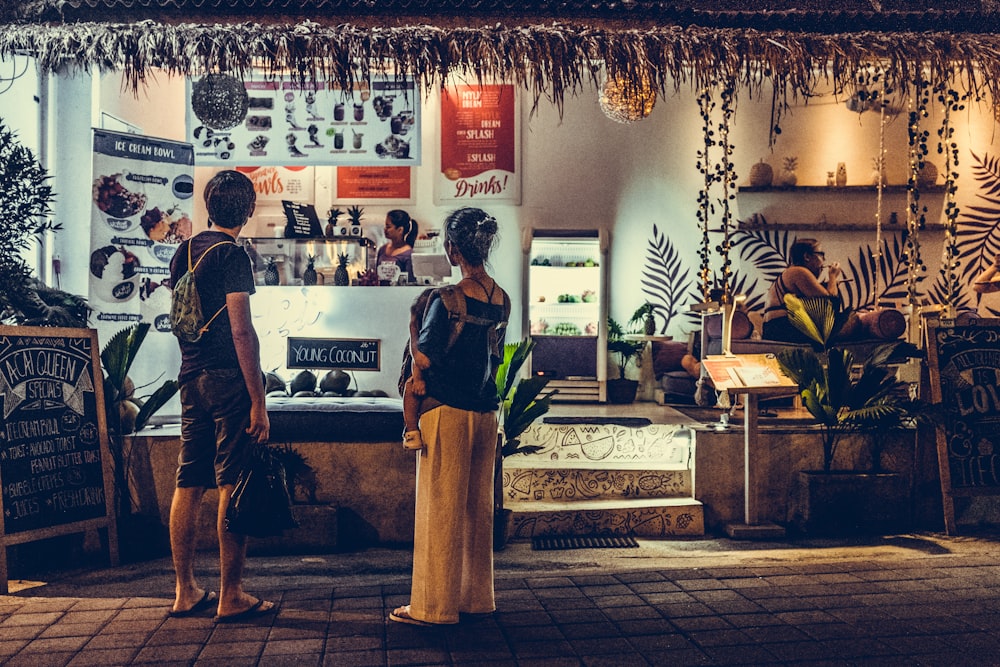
x=607, y=446
x=548, y=484
x=640, y=517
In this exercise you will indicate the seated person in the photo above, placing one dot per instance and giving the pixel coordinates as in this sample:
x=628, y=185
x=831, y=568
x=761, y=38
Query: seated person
x=801, y=278
x=989, y=280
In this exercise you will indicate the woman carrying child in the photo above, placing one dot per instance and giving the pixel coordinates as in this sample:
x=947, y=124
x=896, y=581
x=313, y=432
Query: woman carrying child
x=453, y=529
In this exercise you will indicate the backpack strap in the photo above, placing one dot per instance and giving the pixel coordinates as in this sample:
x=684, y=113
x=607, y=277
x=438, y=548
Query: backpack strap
x=453, y=299
x=191, y=271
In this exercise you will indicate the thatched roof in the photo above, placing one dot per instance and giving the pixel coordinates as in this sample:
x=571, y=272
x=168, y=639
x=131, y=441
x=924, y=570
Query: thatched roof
x=549, y=48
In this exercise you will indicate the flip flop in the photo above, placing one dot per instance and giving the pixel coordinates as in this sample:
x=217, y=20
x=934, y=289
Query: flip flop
x=402, y=615
x=206, y=601
x=258, y=609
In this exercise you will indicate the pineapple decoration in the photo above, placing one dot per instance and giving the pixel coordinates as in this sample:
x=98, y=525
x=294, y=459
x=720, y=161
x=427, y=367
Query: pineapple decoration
x=788, y=176
x=309, y=275
x=355, y=213
x=271, y=276
x=331, y=222
x=340, y=276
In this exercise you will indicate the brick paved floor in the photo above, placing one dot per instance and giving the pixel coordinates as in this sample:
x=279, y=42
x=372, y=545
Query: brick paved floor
x=808, y=606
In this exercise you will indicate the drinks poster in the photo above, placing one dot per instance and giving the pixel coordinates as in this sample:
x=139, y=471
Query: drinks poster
x=480, y=151
x=281, y=123
x=143, y=194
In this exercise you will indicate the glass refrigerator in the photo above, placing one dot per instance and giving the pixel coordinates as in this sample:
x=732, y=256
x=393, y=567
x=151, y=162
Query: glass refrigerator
x=567, y=309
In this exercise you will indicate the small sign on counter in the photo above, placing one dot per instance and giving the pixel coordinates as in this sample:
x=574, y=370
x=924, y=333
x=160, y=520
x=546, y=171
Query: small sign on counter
x=348, y=354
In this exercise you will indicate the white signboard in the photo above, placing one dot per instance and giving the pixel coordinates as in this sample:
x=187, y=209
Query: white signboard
x=258, y=122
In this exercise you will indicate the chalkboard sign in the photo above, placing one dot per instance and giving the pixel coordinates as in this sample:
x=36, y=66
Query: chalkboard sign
x=55, y=470
x=302, y=221
x=965, y=380
x=348, y=354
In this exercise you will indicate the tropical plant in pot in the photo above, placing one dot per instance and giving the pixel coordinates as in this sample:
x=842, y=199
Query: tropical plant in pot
x=622, y=389
x=851, y=398
x=521, y=403
x=127, y=413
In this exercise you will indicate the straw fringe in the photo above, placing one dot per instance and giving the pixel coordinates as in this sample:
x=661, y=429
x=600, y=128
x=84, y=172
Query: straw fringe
x=549, y=61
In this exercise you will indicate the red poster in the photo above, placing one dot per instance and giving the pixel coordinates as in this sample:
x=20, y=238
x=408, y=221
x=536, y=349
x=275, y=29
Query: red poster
x=373, y=183
x=479, y=151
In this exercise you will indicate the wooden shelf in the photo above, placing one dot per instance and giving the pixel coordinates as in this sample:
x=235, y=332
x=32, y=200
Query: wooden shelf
x=845, y=189
x=834, y=226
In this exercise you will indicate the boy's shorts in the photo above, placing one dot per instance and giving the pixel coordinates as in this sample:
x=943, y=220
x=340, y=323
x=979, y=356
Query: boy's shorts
x=215, y=415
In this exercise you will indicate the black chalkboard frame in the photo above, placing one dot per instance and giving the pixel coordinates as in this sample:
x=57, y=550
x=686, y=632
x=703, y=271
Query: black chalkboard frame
x=39, y=336
x=946, y=342
x=347, y=354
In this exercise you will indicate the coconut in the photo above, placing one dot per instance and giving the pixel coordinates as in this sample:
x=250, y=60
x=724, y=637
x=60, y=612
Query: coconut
x=304, y=381
x=306, y=393
x=273, y=382
x=127, y=413
x=336, y=381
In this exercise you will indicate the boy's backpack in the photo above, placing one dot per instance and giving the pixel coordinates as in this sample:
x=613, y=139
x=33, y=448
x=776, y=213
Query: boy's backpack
x=186, y=319
x=454, y=302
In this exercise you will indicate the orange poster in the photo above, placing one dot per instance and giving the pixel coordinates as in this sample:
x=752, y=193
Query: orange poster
x=373, y=183
x=479, y=144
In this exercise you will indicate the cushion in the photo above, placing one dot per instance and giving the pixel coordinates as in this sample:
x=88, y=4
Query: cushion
x=667, y=356
x=322, y=419
x=678, y=387
x=742, y=327
x=883, y=324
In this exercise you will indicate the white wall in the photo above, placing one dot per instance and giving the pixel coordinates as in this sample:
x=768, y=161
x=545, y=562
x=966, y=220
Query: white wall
x=584, y=171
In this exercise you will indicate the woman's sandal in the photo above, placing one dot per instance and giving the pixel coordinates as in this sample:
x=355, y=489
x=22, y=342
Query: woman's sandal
x=402, y=615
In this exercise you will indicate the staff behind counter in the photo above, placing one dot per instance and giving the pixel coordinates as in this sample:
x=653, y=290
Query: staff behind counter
x=400, y=233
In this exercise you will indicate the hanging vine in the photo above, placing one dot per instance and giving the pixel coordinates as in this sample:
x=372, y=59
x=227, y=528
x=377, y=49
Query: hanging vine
x=916, y=213
x=706, y=104
x=951, y=101
x=725, y=173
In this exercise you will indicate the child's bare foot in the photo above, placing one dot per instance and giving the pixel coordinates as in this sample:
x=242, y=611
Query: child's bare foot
x=412, y=440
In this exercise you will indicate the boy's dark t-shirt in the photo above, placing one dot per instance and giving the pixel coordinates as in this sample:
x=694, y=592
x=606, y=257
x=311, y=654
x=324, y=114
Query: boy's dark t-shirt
x=225, y=270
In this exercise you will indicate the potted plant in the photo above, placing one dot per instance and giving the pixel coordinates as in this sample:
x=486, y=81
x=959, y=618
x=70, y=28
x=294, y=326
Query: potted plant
x=622, y=389
x=126, y=413
x=849, y=397
x=646, y=316
x=521, y=404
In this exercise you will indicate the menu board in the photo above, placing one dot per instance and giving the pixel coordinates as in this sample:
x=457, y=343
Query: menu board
x=480, y=150
x=52, y=449
x=965, y=381
x=273, y=122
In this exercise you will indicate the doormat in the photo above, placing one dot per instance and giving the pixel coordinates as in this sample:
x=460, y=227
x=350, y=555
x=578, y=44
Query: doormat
x=557, y=542
x=631, y=422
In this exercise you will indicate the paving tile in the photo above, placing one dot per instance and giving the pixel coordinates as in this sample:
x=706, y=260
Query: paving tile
x=32, y=659
x=832, y=630
x=767, y=634
x=496, y=655
x=56, y=644
x=22, y=631
x=9, y=647
x=741, y=606
x=739, y=655
x=563, y=661
x=720, y=637
x=668, y=598
x=752, y=620
x=417, y=656
x=612, y=601
x=103, y=641
x=639, y=577
x=355, y=643
x=103, y=657
x=564, y=616
x=547, y=648
x=22, y=618
x=631, y=613
x=63, y=629
x=224, y=632
x=657, y=586
x=232, y=650
x=683, y=610
x=293, y=646
x=689, y=656
x=699, y=584
x=587, y=630
x=584, y=581
x=651, y=626
x=621, y=660
x=171, y=653
x=599, y=645
x=354, y=659
x=694, y=623
x=523, y=618
x=527, y=633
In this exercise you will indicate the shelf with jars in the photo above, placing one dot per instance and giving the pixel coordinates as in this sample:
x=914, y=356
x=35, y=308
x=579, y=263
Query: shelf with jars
x=309, y=261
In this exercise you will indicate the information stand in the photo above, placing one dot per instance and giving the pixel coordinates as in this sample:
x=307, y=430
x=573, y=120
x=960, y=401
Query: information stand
x=964, y=369
x=55, y=468
x=753, y=376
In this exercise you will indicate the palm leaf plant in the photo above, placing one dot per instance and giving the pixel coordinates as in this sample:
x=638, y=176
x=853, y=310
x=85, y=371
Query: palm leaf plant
x=125, y=412
x=842, y=399
x=521, y=404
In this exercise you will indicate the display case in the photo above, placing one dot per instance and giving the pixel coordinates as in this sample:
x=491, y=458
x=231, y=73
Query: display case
x=566, y=309
x=290, y=258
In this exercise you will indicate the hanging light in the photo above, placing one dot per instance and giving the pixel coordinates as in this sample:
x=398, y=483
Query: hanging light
x=627, y=101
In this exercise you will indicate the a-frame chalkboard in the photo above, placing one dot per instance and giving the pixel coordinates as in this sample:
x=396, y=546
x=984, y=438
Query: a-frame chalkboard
x=55, y=469
x=964, y=362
